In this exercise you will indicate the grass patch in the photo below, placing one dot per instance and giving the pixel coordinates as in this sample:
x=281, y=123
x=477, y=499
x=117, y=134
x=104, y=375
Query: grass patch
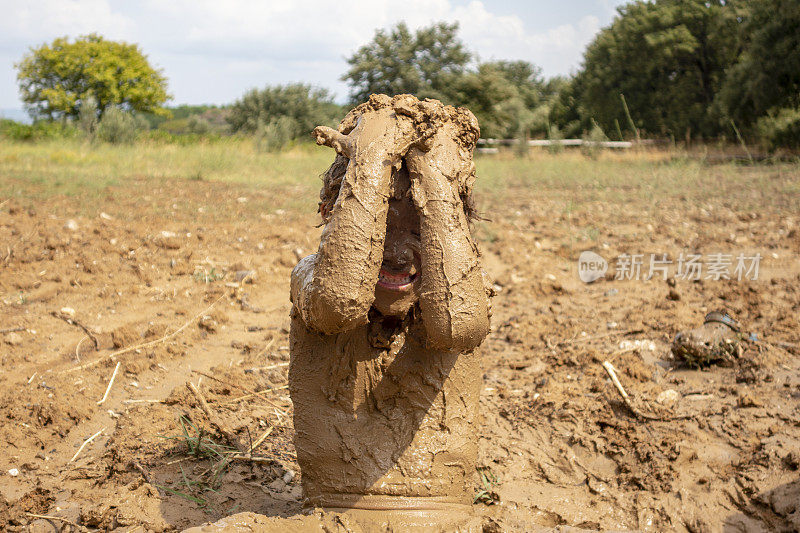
x=199, y=445
x=291, y=181
x=485, y=493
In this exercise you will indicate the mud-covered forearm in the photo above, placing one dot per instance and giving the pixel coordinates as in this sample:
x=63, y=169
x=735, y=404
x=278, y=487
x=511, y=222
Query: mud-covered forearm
x=339, y=283
x=453, y=299
x=340, y=290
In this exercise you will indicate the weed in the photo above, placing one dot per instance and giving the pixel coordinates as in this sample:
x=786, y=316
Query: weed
x=484, y=494
x=200, y=445
x=201, y=275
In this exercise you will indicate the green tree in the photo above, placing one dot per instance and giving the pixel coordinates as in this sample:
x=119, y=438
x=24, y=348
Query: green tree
x=486, y=92
x=766, y=77
x=668, y=57
x=424, y=63
x=299, y=107
x=509, y=98
x=56, y=78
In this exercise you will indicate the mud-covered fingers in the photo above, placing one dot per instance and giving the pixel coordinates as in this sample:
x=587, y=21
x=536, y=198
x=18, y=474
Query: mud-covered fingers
x=428, y=182
x=325, y=136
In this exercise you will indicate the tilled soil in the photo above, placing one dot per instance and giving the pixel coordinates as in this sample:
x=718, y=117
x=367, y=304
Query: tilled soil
x=181, y=282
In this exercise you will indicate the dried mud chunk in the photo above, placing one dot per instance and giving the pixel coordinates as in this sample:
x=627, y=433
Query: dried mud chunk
x=749, y=400
x=168, y=240
x=13, y=339
x=712, y=343
x=124, y=336
x=156, y=331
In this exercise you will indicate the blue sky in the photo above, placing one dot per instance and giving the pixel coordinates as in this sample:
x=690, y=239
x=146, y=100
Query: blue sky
x=213, y=50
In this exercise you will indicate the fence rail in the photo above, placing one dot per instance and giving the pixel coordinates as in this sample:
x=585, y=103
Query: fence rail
x=620, y=145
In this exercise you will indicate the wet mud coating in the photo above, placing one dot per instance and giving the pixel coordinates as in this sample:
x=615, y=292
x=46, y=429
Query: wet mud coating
x=387, y=315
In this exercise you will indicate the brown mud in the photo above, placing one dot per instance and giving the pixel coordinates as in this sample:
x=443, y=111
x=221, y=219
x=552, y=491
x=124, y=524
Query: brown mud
x=557, y=447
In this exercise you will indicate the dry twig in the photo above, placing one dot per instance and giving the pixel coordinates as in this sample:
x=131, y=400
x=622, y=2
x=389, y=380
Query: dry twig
x=74, y=322
x=268, y=367
x=58, y=518
x=12, y=330
x=250, y=392
x=87, y=441
x=260, y=394
x=78, y=349
x=142, y=471
x=609, y=368
x=214, y=419
x=261, y=439
x=110, y=384
x=147, y=344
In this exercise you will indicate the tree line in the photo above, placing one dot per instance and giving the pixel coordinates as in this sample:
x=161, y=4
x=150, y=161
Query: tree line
x=682, y=69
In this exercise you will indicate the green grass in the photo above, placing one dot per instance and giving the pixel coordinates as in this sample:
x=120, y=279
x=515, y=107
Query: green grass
x=75, y=168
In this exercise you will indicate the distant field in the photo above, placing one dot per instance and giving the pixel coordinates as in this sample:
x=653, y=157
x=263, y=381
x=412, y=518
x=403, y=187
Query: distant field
x=40, y=170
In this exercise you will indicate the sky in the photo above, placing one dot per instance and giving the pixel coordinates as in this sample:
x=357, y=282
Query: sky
x=212, y=51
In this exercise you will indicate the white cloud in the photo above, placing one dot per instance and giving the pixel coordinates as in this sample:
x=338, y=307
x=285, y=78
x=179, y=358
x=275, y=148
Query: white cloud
x=213, y=50
x=40, y=20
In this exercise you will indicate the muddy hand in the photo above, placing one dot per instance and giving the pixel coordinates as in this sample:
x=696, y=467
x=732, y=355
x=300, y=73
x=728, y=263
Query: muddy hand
x=435, y=168
x=325, y=136
x=379, y=134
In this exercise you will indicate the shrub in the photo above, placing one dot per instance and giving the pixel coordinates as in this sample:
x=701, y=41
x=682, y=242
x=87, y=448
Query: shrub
x=277, y=133
x=199, y=125
x=591, y=141
x=305, y=105
x=119, y=127
x=780, y=130
x=554, y=134
x=87, y=117
x=17, y=131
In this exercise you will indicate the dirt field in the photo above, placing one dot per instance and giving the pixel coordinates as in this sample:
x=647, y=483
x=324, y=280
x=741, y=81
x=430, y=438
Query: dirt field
x=155, y=260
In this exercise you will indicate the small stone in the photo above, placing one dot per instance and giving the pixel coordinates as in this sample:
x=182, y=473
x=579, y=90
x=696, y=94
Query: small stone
x=668, y=397
x=278, y=485
x=168, y=240
x=106, y=216
x=209, y=324
x=71, y=225
x=13, y=472
x=13, y=339
x=611, y=325
x=242, y=200
x=637, y=345
x=288, y=477
x=68, y=312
